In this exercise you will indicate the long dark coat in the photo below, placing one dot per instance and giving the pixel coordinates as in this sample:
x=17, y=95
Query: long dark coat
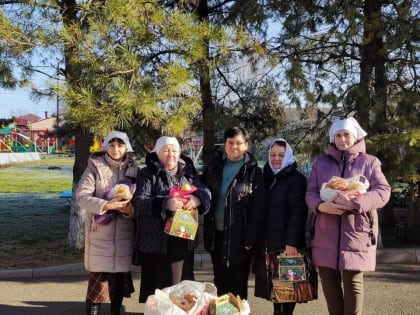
x=285, y=219
x=244, y=211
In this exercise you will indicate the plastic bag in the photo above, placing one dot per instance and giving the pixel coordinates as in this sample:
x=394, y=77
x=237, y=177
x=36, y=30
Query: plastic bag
x=183, y=223
x=352, y=187
x=182, y=192
x=161, y=304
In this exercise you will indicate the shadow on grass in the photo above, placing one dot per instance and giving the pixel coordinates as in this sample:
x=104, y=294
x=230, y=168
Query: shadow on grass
x=33, y=231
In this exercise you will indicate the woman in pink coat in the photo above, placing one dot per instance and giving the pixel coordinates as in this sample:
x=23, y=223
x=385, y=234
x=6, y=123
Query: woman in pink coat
x=345, y=229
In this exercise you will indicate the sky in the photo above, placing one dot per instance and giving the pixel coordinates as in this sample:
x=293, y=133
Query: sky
x=18, y=102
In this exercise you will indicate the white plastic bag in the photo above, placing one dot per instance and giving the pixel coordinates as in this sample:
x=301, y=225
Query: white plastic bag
x=359, y=182
x=160, y=303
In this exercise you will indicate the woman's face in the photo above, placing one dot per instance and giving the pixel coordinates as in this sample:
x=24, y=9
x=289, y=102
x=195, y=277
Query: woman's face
x=343, y=139
x=116, y=150
x=277, y=155
x=236, y=147
x=168, y=156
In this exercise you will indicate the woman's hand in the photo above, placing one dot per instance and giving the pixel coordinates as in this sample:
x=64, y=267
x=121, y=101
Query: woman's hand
x=128, y=209
x=193, y=202
x=344, y=200
x=117, y=204
x=291, y=250
x=173, y=204
x=335, y=206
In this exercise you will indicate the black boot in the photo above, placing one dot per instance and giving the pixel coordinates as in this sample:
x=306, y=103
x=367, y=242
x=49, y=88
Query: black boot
x=93, y=308
x=116, y=308
x=116, y=302
x=284, y=308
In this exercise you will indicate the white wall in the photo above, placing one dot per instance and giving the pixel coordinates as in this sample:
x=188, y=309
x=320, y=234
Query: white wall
x=7, y=158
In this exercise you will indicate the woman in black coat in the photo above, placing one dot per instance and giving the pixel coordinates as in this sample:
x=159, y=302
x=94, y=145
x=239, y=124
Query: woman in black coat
x=234, y=222
x=285, y=215
x=160, y=255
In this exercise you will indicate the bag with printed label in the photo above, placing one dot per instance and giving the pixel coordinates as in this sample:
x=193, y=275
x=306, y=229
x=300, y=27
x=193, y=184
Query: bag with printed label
x=292, y=278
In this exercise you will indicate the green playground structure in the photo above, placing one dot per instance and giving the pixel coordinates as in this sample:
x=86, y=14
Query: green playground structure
x=14, y=142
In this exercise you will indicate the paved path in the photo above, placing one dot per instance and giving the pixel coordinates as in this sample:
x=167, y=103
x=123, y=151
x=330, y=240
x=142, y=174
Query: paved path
x=392, y=289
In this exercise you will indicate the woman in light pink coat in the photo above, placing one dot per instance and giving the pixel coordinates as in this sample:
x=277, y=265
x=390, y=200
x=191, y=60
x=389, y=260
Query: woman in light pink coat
x=345, y=230
x=109, y=236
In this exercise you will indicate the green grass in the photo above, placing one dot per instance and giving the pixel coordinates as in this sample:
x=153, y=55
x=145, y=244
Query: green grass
x=34, y=220
x=49, y=175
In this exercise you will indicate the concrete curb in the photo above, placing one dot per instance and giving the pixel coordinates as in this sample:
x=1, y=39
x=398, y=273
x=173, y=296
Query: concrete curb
x=398, y=255
x=201, y=262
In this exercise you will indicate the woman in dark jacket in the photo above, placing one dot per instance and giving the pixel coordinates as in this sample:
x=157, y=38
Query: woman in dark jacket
x=235, y=219
x=285, y=215
x=161, y=255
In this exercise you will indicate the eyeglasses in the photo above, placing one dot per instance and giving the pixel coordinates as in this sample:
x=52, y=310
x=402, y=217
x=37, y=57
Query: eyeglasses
x=233, y=143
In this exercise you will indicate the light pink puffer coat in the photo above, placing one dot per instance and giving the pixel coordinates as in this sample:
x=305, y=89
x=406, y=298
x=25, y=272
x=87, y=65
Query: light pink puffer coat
x=108, y=248
x=347, y=242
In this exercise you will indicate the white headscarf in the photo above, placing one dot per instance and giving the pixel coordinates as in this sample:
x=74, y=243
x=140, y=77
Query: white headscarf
x=119, y=135
x=164, y=140
x=351, y=125
x=288, y=159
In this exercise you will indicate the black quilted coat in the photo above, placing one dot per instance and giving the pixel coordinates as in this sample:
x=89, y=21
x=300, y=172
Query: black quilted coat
x=153, y=185
x=244, y=211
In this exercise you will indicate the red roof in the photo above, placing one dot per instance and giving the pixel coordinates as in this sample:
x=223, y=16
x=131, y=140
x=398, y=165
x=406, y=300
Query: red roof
x=27, y=119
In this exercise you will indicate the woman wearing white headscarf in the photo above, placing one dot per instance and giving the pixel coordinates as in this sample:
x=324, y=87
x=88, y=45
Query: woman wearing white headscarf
x=161, y=255
x=109, y=225
x=285, y=215
x=345, y=229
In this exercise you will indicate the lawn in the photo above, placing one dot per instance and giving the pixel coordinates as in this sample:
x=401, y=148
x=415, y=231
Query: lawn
x=42, y=176
x=35, y=221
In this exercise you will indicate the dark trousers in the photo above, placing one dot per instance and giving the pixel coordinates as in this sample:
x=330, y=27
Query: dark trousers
x=155, y=274
x=284, y=308
x=188, y=267
x=232, y=278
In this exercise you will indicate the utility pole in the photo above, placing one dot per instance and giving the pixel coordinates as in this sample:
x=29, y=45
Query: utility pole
x=58, y=108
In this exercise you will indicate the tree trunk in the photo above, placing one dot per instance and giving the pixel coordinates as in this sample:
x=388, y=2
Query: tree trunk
x=368, y=50
x=206, y=93
x=75, y=236
x=208, y=114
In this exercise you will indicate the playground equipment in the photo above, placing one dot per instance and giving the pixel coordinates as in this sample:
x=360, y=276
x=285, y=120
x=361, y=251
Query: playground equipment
x=195, y=147
x=16, y=147
x=13, y=141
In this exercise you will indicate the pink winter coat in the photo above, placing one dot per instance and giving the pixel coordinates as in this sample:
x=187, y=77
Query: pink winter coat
x=347, y=242
x=108, y=248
